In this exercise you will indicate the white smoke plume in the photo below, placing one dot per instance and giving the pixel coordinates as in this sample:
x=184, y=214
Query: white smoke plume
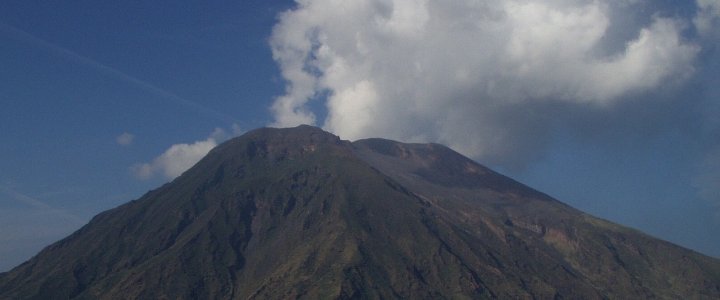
x=490, y=78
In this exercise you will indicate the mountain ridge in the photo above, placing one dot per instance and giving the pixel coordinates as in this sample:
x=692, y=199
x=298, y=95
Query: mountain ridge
x=300, y=213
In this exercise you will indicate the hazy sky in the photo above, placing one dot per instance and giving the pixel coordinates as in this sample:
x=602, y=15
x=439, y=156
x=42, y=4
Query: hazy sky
x=610, y=106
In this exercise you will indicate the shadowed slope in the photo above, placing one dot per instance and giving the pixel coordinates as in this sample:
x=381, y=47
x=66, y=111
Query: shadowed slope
x=299, y=213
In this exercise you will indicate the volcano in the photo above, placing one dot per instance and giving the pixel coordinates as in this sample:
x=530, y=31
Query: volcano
x=299, y=213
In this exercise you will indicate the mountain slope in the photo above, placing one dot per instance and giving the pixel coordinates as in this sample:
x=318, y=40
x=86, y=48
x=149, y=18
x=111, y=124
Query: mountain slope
x=299, y=213
x=616, y=261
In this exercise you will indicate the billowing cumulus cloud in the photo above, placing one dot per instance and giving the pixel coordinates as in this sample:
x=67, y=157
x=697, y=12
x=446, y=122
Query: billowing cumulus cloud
x=490, y=78
x=178, y=158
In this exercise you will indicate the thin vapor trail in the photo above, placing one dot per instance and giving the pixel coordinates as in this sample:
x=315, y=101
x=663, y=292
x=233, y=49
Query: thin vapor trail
x=112, y=72
x=40, y=205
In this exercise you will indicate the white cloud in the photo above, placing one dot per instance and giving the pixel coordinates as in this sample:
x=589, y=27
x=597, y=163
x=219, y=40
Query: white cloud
x=179, y=157
x=481, y=76
x=125, y=139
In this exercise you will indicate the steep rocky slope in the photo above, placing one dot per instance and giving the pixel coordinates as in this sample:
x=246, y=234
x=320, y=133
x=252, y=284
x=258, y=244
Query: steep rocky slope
x=299, y=213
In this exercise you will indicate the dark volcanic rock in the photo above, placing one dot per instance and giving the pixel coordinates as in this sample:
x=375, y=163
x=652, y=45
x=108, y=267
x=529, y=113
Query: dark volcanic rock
x=299, y=213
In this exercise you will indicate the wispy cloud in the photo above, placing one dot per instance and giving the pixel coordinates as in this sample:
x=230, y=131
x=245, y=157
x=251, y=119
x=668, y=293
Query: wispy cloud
x=112, y=72
x=707, y=19
x=39, y=205
x=27, y=224
x=125, y=139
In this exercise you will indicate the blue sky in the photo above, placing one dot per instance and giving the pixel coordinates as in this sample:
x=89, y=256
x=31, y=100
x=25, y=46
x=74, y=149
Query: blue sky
x=609, y=106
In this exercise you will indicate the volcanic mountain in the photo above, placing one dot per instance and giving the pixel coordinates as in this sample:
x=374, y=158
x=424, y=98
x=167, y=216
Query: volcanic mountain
x=300, y=213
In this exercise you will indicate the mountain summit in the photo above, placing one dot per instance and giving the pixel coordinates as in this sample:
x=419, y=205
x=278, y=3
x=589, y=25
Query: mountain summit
x=300, y=213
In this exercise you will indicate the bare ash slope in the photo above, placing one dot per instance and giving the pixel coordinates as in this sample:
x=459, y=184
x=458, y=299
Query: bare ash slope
x=299, y=213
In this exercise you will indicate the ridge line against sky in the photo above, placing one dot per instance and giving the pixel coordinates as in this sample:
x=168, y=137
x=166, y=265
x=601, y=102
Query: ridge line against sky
x=498, y=81
x=394, y=77
x=519, y=71
x=514, y=83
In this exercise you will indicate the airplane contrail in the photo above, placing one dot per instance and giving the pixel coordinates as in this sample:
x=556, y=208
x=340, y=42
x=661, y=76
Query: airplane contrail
x=40, y=205
x=110, y=71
